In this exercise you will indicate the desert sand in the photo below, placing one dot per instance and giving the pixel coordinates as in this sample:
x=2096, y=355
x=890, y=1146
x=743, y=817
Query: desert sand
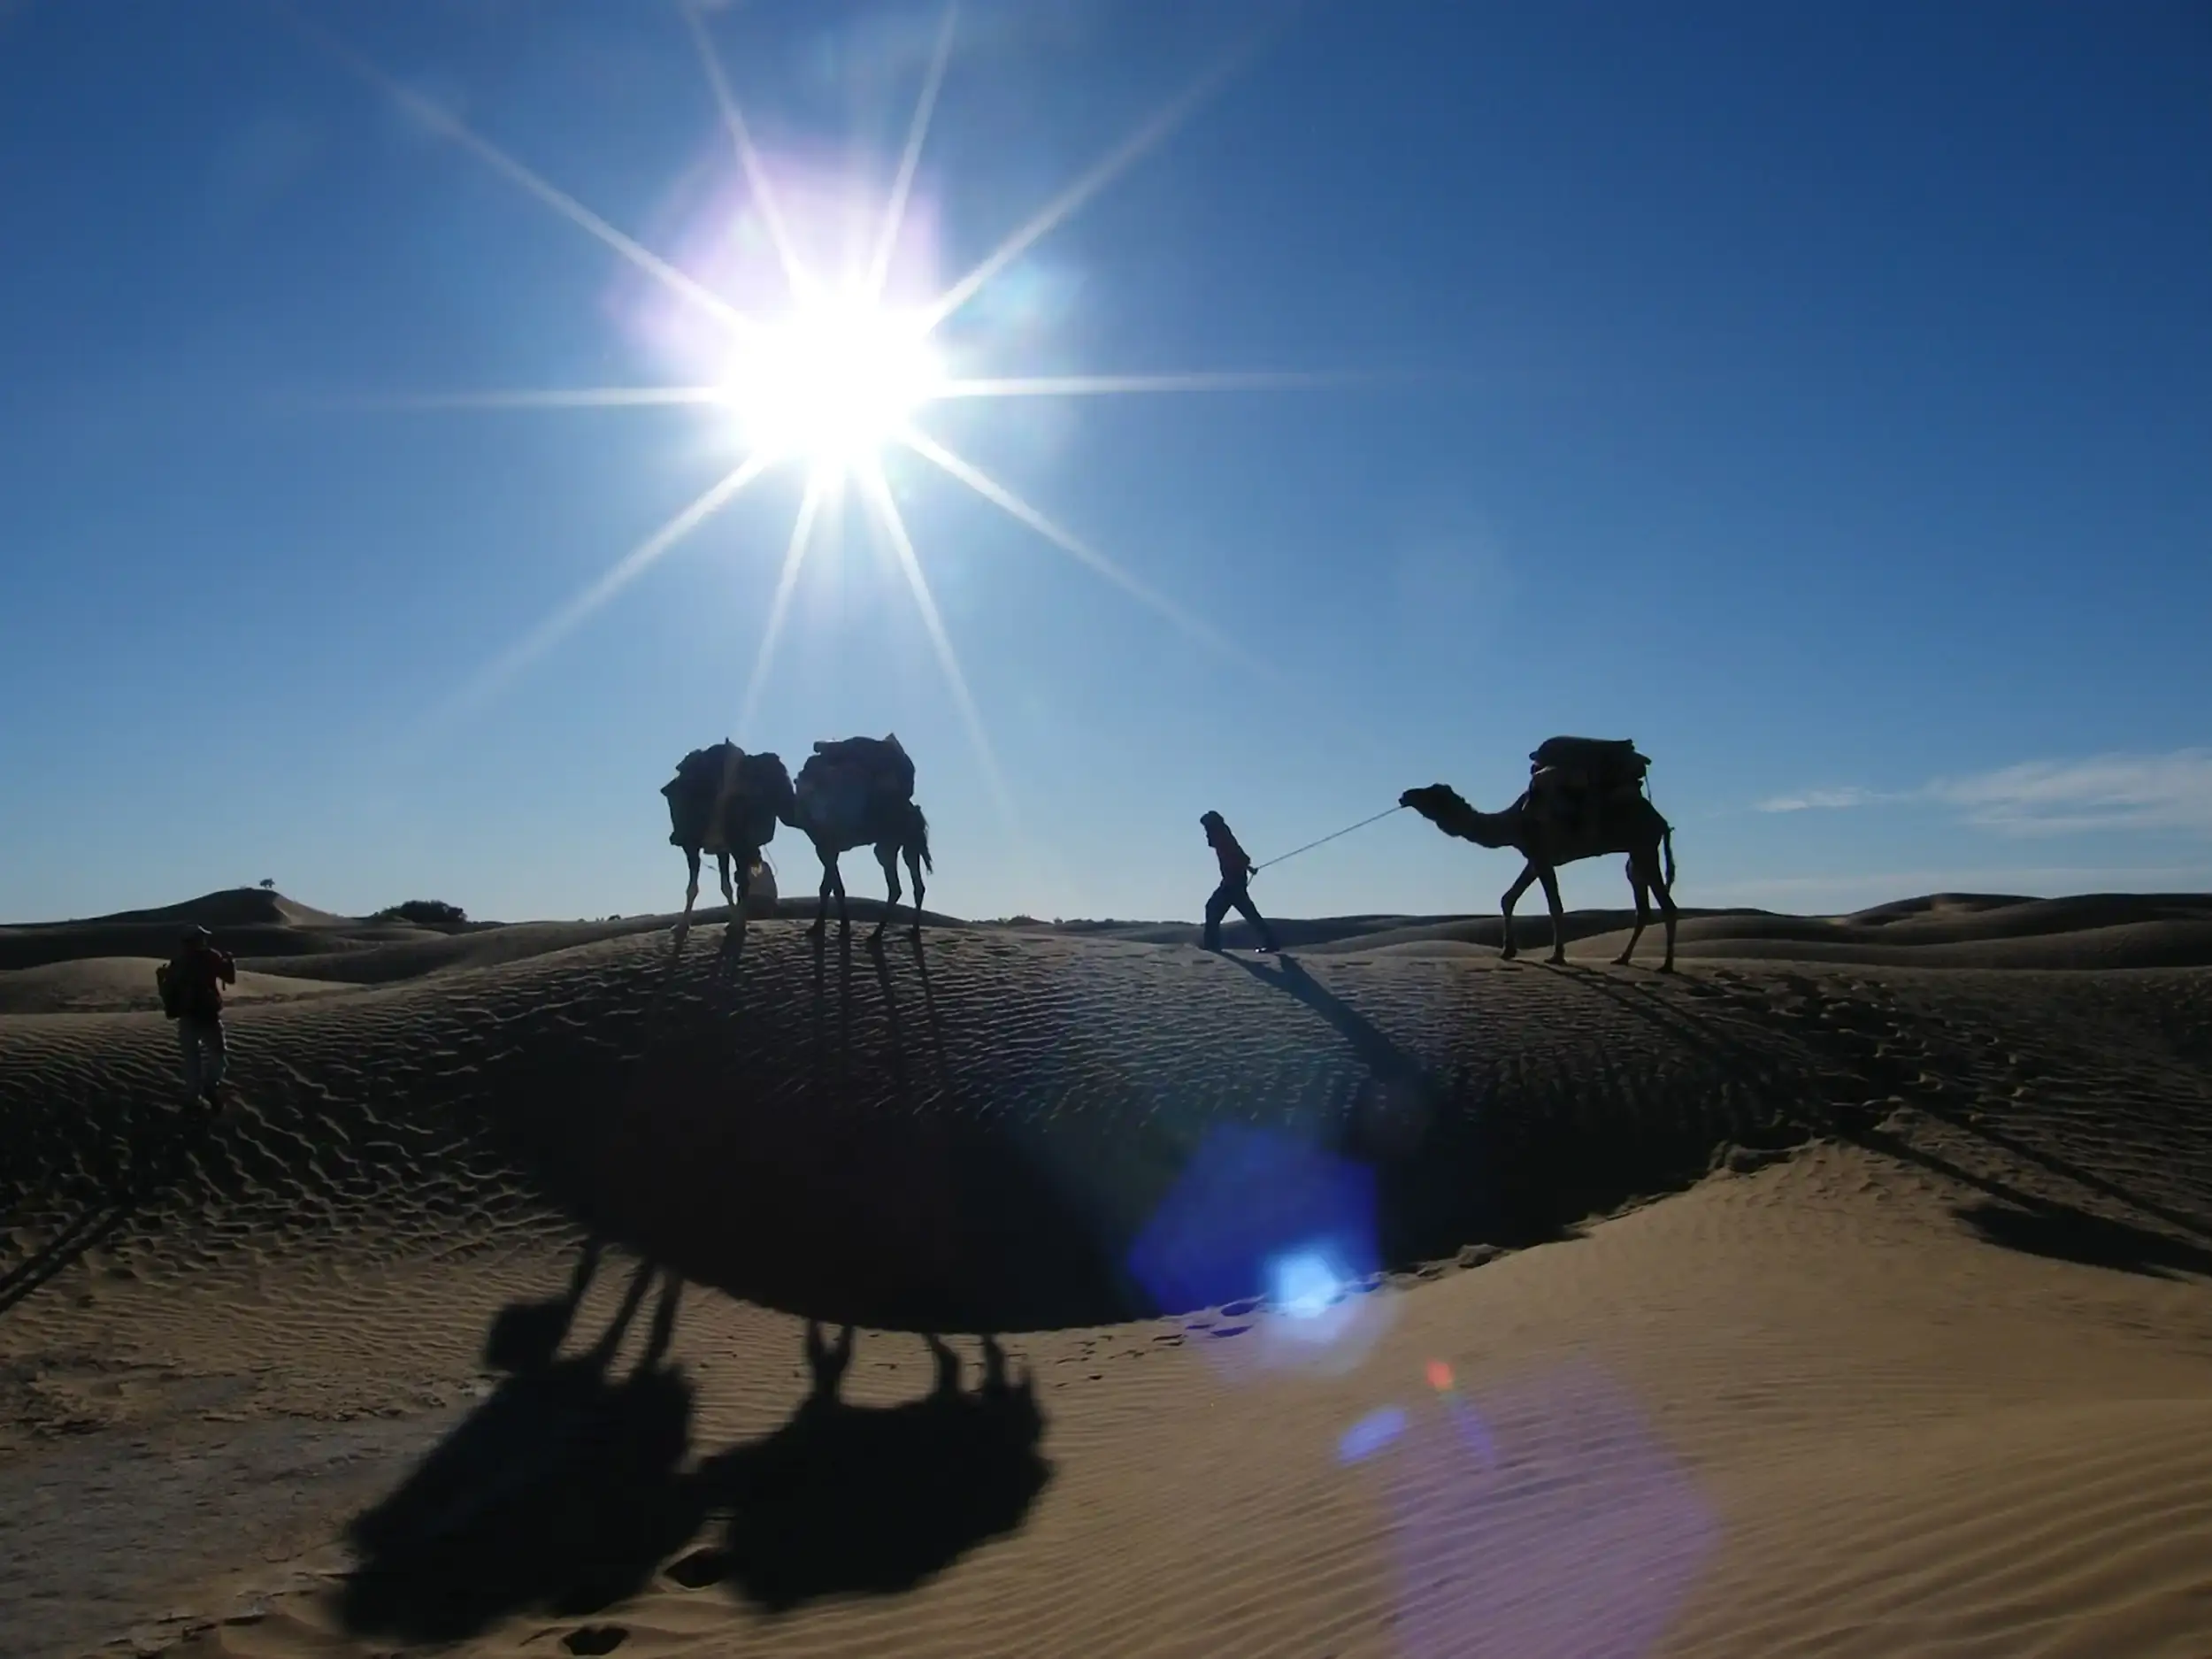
x=1848, y=1293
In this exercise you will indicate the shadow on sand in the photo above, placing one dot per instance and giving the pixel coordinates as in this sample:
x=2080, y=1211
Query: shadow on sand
x=873, y=1500
x=564, y=1491
x=133, y=1177
x=1462, y=1158
x=568, y=1489
x=2039, y=1227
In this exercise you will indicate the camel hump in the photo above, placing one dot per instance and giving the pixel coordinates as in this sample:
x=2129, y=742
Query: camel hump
x=1601, y=759
x=883, y=761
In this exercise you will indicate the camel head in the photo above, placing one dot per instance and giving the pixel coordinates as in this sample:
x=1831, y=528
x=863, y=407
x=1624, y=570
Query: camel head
x=1435, y=803
x=1442, y=806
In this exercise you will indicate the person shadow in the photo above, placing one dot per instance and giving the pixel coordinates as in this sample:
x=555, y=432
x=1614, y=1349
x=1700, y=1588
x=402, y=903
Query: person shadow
x=847, y=1499
x=1450, y=1167
x=563, y=1491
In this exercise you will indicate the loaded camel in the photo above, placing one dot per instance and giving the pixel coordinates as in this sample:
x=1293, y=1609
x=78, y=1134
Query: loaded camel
x=859, y=792
x=1613, y=818
x=727, y=803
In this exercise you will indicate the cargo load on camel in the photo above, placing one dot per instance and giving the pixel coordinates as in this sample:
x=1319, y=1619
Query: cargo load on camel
x=706, y=783
x=845, y=777
x=1573, y=781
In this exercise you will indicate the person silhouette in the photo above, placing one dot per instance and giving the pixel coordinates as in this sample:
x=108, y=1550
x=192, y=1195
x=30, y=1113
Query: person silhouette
x=191, y=987
x=1235, y=891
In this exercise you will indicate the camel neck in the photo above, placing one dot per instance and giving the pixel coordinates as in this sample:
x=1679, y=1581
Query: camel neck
x=1484, y=829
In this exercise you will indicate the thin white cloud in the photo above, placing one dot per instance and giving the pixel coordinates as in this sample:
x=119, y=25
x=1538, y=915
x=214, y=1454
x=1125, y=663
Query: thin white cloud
x=2172, y=791
x=1821, y=800
x=2118, y=791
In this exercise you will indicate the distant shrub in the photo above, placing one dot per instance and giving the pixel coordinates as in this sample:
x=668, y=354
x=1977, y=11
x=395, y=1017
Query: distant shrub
x=268, y=884
x=425, y=912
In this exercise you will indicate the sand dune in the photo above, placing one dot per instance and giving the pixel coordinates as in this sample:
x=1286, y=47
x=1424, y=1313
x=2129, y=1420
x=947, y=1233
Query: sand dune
x=1960, y=930
x=118, y=984
x=1854, y=1303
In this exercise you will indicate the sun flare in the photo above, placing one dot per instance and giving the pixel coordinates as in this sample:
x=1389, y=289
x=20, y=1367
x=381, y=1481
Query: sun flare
x=833, y=381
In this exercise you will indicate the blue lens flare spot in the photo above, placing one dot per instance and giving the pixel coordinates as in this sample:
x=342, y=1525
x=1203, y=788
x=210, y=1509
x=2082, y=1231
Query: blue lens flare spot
x=1370, y=1434
x=1257, y=1212
x=1304, y=1283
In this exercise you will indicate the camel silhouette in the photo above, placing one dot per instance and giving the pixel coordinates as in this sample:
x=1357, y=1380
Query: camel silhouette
x=727, y=803
x=1620, y=824
x=859, y=793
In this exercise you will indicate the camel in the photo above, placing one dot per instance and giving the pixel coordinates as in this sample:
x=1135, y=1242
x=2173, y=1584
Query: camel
x=728, y=803
x=1622, y=823
x=872, y=811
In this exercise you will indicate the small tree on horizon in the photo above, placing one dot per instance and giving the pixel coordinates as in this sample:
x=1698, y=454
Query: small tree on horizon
x=268, y=884
x=424, y=912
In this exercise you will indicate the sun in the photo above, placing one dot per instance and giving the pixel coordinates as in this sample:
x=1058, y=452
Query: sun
x=836, y=380
x=833, y=381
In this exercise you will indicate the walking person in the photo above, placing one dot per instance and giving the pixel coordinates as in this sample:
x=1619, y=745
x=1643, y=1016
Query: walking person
x=192, y=986
x=1235, y=893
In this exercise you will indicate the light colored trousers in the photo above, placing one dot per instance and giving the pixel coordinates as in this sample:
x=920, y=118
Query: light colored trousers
x=200, y=1043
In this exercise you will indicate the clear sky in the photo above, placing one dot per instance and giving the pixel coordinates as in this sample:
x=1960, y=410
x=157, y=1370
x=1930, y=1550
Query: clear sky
x=1821, y=396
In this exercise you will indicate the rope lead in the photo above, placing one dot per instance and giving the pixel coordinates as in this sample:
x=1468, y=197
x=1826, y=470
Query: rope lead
x=1309, y=846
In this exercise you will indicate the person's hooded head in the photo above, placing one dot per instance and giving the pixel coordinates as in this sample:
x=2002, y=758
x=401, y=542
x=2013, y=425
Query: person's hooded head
x=196, y=938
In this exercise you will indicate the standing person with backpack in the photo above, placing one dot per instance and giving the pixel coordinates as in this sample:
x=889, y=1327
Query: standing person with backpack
x=1236, y=892
x=192, y=986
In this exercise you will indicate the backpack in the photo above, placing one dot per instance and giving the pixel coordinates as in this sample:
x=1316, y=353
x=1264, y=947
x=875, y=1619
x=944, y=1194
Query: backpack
x=171, y=984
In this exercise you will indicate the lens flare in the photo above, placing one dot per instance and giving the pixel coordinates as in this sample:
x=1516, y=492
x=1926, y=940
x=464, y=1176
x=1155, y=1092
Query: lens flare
x=1304, y=1284
x=1370, y=1434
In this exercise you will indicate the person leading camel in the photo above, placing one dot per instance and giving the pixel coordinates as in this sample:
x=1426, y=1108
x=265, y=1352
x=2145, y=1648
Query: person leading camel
x=1235, y=891
x=193, y=989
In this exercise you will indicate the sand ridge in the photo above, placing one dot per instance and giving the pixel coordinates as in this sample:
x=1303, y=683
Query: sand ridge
x=1898, y=1338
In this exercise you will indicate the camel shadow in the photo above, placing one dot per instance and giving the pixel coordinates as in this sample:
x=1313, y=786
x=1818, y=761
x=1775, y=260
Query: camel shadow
x=831, y=1058
x=896, y=1055
x=563, y=1491
x=568, y=1489
x=2005, y=1216
x=872, y=1499
x=2059, y=1232
x=2036, y=1225
x=1844, y=1056
x=2065, y=1168
x=930, y=1014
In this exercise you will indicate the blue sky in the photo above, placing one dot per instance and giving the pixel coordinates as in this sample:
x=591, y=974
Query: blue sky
x=1821, y=398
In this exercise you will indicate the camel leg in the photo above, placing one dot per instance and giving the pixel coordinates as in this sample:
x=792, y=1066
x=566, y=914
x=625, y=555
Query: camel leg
x=1636, y=885
x=829, y=877
x=887, y=856
x=1550, y=879
x=691, y=896
x=914, y=869
x=722, y=866
x=1665, y=892
x=1505, y=909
